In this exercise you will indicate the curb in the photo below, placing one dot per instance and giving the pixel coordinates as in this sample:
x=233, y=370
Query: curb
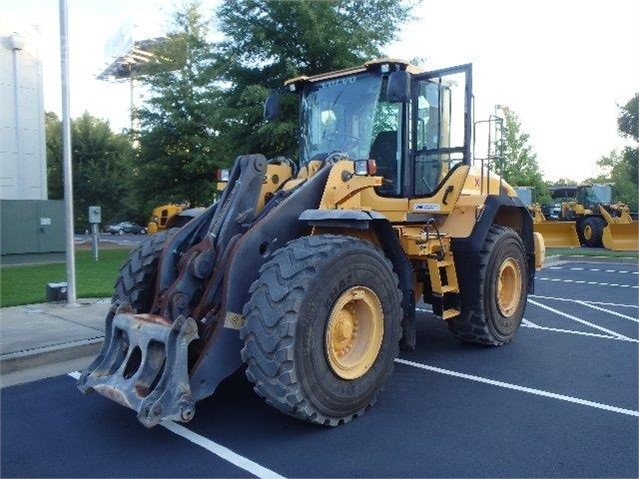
x=32, y=358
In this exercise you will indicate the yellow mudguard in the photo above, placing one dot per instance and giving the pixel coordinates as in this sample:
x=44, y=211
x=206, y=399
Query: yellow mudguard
x=558, y=234
x=621, y=236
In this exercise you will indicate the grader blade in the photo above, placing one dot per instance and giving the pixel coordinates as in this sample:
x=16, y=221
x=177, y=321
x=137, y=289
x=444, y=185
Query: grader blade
x=558, y=234
x=621, y=236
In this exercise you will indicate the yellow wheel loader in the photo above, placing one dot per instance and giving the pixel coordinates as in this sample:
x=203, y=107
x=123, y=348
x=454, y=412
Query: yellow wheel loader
x=598, y=221
x=556, y=233
x=308, y=277
x=621, y=232
x=160, y=216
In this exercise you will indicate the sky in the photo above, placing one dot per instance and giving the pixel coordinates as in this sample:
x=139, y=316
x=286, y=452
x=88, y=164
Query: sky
x=562, y=66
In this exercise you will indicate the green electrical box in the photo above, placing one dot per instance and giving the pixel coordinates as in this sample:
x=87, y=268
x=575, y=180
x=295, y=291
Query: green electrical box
x=32, y=226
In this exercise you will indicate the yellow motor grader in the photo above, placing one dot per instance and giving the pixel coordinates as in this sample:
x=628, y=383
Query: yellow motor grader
x=307, y=273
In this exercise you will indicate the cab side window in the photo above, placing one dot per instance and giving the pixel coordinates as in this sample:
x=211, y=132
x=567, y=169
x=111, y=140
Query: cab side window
x=429, y=137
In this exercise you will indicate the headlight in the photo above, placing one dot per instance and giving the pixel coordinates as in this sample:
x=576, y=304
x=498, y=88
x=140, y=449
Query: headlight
x=365, y=167
x=223, y=175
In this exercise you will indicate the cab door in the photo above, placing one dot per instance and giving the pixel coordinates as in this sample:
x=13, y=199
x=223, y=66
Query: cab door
x=441, y=123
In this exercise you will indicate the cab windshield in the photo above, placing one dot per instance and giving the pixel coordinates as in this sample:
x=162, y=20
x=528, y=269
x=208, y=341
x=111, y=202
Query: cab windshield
x=338, y=115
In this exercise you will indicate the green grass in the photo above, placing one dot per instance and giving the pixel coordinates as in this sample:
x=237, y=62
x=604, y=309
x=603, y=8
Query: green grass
x=590, y=252
x=26, y=284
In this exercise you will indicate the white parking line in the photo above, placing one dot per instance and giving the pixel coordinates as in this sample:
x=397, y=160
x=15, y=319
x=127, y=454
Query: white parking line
x=593, y=269
x=597, y=283
x=221, y=451
x=614, y=313
x=217, y=449
x=600, y=303
x=579, y=320
x=537, y=392
x=424, y=310
x=528, y=324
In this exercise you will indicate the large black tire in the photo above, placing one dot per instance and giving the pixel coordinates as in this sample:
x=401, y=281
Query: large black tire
x=591, y=231
x=290, y=318
x=135, y=284
x=491, y=316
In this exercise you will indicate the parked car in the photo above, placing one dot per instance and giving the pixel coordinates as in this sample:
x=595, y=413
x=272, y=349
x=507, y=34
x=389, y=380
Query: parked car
x=128, y=227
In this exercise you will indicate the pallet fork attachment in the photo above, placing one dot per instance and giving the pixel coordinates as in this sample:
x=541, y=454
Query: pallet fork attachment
x=143, y=365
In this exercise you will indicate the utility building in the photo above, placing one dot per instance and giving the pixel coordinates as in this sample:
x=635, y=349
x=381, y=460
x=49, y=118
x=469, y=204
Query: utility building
x=30, y=223
x=23, y=173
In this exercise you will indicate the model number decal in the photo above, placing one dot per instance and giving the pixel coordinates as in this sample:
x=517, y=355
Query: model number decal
x=426, y=207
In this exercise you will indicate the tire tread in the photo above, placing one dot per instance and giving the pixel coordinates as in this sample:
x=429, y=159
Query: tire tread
x=472, y=325
x=269, y=332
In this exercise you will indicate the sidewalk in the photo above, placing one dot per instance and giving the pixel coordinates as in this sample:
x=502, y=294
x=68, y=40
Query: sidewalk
x=37, y=335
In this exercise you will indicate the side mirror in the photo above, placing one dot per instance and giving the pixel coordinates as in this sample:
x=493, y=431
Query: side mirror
x=398, y=88
x=272, y=106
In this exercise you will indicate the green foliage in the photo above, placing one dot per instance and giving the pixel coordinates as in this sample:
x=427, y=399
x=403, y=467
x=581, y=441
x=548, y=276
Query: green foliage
x=180, y=146
x=205, y=100
x=628, y=127
x=618, y=171
x=520, y=167
x=25, y=284
x=100, y=160
x=628, y=120
x=622, y=169
x=55, y=175
x=267, y=42
x=562, y=182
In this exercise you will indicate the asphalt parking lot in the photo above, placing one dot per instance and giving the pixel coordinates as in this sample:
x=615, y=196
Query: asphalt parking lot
x=560, y=400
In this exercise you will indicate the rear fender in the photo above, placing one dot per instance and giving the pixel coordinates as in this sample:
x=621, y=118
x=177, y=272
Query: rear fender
x=355, y=221
x=502, y=210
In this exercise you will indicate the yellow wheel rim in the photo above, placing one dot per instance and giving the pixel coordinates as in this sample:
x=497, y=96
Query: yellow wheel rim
x=508, y=287
x=587, y=232
x=354, y=332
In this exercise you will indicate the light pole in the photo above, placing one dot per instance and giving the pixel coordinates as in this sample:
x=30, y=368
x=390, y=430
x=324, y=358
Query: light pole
x=66, y=149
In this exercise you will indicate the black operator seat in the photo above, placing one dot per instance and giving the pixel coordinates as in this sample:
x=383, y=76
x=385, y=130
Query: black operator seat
x=384, y=152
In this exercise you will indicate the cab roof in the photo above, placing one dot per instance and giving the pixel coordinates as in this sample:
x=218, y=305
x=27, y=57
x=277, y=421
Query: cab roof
x=368, y=66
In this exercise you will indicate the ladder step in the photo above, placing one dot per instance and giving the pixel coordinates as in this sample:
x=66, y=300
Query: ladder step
x=450, y=313
x=449, y=289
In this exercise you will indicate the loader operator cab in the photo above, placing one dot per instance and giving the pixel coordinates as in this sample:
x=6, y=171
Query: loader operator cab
x=416, y=126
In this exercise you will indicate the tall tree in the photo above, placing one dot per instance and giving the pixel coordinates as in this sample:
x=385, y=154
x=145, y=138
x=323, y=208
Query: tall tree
x=628, y=127
x=616, y=169
x=180, y=149
x=55, y=175
x=622, y=169
x=269, y=41
x=519, y=166
x=101, y=162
